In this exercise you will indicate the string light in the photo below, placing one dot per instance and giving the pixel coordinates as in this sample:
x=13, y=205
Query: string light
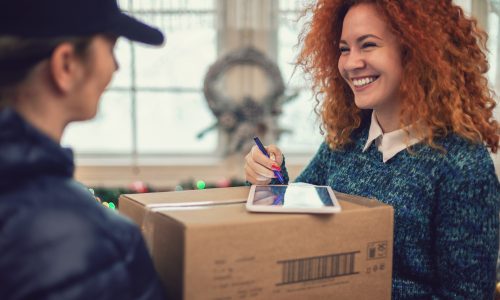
x=200, y=184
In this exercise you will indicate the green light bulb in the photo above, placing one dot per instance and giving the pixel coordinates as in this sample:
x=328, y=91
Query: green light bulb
x=200, y=184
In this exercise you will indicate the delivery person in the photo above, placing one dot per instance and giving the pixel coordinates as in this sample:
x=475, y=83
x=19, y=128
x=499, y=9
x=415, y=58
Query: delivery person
x=56, y=241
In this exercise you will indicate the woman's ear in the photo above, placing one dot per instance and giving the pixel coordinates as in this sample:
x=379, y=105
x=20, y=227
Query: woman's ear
x=65, y=67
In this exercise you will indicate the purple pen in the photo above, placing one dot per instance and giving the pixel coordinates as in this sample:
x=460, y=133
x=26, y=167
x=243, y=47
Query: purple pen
x=278, y=200
x=263, y=150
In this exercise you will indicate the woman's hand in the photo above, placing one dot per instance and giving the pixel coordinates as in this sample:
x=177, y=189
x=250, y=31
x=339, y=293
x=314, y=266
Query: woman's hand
x=259, y=168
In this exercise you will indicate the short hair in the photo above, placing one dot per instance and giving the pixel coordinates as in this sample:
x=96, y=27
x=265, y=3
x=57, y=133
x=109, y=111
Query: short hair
x=19, y=55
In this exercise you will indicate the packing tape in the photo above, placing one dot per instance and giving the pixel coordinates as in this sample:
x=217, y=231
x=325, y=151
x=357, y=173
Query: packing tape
x=152, y=210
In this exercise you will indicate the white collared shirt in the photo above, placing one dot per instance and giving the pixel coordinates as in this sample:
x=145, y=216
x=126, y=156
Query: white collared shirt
x=391, y=143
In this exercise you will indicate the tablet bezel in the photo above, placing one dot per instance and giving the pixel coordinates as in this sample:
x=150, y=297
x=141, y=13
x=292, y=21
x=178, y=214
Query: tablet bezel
x=281, y=209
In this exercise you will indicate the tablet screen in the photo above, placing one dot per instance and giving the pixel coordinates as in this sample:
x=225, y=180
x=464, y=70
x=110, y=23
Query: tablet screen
x=293, y=196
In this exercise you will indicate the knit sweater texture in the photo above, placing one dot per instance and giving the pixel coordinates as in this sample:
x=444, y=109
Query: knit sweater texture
x=446, y=211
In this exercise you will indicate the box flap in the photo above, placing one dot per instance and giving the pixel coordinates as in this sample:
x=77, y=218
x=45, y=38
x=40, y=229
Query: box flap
x=218, y=196
x=226, y=205
x=192, y=197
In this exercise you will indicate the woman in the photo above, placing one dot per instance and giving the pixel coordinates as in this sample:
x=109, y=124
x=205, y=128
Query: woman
x=407, y=115
x=56, y=241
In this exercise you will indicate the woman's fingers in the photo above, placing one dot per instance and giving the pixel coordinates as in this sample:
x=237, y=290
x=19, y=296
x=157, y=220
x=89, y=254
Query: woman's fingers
x=255, y=178
x=259, y=168
x=275, y=154
x=275, y=157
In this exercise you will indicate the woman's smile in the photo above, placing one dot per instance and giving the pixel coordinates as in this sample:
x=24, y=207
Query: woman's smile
x=363, y=83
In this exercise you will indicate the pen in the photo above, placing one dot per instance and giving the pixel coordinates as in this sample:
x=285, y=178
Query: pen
x=263, y=150
x=278, y=200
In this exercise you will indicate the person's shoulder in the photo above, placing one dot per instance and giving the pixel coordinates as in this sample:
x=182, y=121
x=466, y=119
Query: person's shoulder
x=468, y=174
x=66, y=198
x=463, y=155
x=51, y=246
x=83, y=229
x=40, y=213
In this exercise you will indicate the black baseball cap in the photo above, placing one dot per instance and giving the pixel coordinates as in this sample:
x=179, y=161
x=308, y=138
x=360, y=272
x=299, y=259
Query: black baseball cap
x=60, y=18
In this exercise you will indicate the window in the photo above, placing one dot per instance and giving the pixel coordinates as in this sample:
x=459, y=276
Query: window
x=494, y=47
x=298, y=115
x=487, y=12
x=155, y=103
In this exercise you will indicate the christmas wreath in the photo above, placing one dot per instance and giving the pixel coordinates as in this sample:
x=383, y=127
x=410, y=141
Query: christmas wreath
x=243, y=119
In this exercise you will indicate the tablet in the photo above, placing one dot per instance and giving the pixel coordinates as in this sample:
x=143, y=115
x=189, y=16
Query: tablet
x=292, y=199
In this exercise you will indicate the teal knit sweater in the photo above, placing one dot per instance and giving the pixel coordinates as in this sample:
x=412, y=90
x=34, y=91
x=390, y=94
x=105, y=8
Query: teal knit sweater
x=446, y=207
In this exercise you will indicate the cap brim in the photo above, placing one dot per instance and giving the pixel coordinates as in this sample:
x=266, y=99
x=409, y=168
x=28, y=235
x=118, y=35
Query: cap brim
x=135, y=30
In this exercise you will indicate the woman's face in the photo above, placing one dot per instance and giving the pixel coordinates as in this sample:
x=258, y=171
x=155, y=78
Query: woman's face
x=98, y=67
x=370, y=59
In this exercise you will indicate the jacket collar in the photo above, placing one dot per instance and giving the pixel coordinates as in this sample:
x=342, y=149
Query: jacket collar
x=25, y=152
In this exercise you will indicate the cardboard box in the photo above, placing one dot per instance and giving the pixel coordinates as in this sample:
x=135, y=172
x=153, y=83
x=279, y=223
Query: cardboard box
x=205, y=245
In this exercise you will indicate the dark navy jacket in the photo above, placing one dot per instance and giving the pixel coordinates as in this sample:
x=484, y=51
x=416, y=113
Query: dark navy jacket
x=56, y=241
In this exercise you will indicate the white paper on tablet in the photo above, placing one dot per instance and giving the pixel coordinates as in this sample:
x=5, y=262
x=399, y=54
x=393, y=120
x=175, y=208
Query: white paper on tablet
x=294, y=198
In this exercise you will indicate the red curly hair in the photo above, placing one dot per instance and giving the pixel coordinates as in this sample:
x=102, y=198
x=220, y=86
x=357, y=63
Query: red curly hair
x=443, y=87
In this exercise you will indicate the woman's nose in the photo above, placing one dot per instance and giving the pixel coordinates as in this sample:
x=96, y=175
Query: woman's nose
x=354, y=60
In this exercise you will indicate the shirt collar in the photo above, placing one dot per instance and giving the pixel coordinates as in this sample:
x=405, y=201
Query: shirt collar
x=391, y=143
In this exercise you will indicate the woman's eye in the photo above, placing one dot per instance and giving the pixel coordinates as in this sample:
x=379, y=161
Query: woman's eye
x=343, y=50
x=368, y=45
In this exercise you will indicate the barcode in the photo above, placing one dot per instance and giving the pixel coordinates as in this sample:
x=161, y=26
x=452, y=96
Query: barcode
x=318, y=267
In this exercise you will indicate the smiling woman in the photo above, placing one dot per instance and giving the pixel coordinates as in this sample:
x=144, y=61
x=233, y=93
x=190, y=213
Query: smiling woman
x=402, y=92
x=371, y=64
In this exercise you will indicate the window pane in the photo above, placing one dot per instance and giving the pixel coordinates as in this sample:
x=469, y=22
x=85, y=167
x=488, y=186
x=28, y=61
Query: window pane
x=494, y=23
x=289, y=29
x=494, y=56
x=190, y=45
x=298, y=115
x=123, y=4
x=158, y=76
x=109, y=132
x=121, y=78
x=182, y=62
x=171, y=5
x=168, y=123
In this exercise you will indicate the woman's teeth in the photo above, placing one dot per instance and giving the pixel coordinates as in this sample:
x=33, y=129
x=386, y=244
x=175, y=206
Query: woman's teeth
x=363, y=82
